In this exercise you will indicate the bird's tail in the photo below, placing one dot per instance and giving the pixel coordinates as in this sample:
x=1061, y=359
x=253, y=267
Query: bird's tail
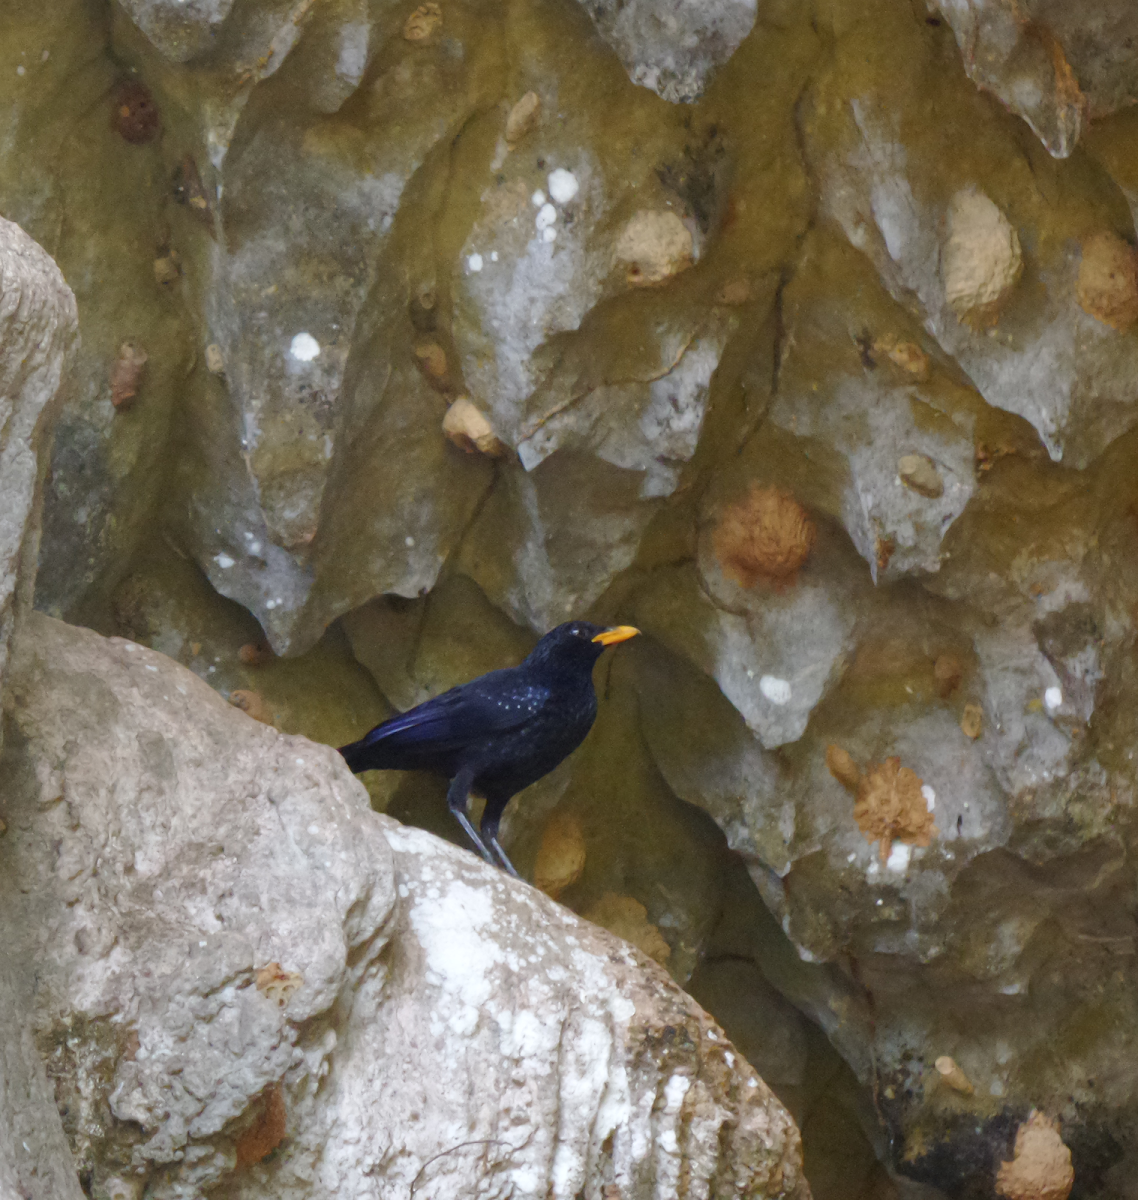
x=356, y=756
x=387, y=747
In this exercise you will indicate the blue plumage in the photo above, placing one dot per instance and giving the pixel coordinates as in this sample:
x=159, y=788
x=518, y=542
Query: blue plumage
x=502, y=731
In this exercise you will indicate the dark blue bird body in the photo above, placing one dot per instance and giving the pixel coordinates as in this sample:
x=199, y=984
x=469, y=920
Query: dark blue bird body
x=502, y=731
x=502, y=724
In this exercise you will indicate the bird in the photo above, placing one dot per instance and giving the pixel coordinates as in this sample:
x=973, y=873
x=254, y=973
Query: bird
x=500, y=732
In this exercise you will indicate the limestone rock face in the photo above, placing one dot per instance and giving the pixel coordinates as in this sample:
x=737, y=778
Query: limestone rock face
x=1055, y=67
x=410, y=331
x=958, y=259
x=39, y=337
x=673, y=46
x=233, y=957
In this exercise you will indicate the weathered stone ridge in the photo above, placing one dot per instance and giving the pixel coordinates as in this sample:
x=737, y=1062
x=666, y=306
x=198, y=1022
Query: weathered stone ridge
x=235, y=957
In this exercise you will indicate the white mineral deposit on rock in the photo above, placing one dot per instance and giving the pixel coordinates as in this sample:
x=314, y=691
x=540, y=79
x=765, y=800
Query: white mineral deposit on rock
x=538, y=198
x=474, y=263
x=563, y=185
x=777, y=691
x=546, y=216
x=899, y=856
x=981, y=261
x=1053, y=698
x=304, y=347
x=654, y=245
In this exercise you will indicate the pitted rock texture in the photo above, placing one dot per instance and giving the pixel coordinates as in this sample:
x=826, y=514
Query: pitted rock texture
x=673, y=46
x=844, y=272
x=1055, y=67
x=38, y=339
x=39, y=335
x=220, y=930
x=162, y=849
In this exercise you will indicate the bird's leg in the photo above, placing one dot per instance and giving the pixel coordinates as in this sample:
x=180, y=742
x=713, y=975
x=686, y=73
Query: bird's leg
x=458, y=794
x=491, y=815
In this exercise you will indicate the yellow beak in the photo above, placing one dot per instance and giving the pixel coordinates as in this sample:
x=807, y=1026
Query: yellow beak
x=619, y=633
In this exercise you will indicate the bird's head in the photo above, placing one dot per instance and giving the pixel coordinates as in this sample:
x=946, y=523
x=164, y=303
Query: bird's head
x=578, y=642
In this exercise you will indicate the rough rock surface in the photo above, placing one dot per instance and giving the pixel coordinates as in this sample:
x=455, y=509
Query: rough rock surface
x=39, y=335
x=1055, y=66
x=219, y=931
x=844, y=273
x=673, y=46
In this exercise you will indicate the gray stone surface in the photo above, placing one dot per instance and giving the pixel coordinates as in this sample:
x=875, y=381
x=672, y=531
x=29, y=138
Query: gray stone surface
x=673, y=46
x=845, y=272
x=1047, y=360
x=169, y=862
x=1057, y=66
x=39, y=335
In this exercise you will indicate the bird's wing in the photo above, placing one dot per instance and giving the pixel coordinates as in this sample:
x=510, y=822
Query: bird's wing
x=456, y=719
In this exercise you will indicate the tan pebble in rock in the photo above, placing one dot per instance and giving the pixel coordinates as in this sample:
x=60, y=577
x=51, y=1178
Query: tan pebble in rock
x=767, y=535
x=431, y=359
x=908, y=357
x=628, y=918
x=1041, y=1168
x=891, y=807
x=523, y=117
x=952, y=1076
x=655, y=246
x=1108, y=280
x=126, y=374
x=167, y=268
x=972, y=721
x=252, y=703
x=883, y=548
x=841, y=765
x=277, y=984
x=470, y=431
x=214, y=359
x=919, y=473
x=981, y=260
x=191, y=191
x=425, y=21
x=267, y=1131
x=948, y=671
x=735, y=292
x=135, y=116
x=3, y=828
x=561, y=856
x=255, y=654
